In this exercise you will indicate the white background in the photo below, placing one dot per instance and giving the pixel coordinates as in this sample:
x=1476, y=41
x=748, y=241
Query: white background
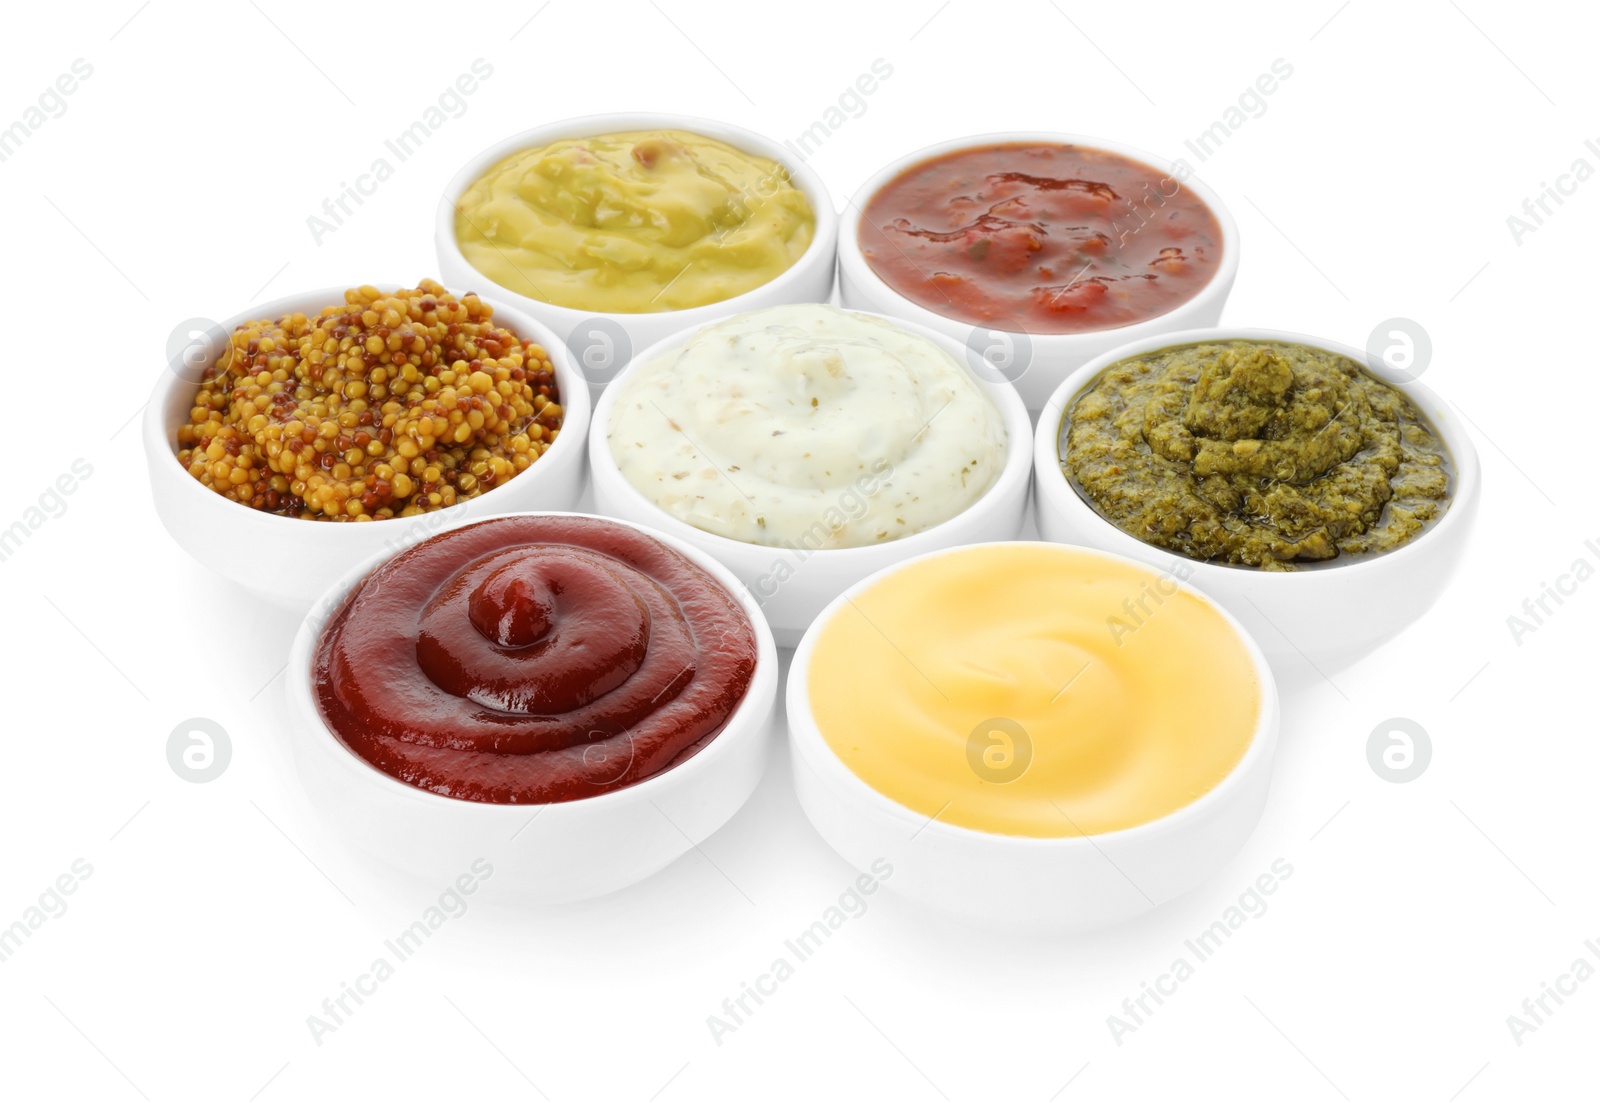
x=1377, y=183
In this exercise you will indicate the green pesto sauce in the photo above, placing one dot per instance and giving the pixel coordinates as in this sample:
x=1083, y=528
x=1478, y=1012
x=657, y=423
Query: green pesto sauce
x=1255, y=454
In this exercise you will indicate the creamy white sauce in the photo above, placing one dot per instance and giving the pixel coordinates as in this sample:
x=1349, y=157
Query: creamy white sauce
x=807, y=426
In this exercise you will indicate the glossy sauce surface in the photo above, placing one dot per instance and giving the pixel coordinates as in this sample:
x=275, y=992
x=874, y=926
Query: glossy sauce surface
x=634, y=222
x=806, y=426
x=1034, y=690
x=1041, y=238
x=528, y=660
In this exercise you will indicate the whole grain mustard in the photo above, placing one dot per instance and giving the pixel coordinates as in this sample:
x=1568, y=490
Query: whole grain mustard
x=388, y=404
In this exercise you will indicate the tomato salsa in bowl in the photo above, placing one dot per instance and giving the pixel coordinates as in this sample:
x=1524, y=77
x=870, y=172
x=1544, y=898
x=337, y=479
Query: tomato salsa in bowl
x=1038, y=250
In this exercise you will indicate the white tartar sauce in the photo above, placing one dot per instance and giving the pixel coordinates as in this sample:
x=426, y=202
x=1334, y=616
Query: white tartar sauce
x=807, y=427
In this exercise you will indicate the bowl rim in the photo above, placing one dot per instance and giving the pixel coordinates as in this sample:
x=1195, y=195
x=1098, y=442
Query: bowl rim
x=1054, y=489
x=854, y=263
x=741, y=723
x=807, y=740
x=821, y=250
x=572, y=388
x=1013, y=413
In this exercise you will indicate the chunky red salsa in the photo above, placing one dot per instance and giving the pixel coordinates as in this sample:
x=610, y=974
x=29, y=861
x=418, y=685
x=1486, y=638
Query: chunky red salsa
x=1041, y=238
x=533, y=659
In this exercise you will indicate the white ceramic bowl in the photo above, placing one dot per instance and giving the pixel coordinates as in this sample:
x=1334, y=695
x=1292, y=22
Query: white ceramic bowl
x=1323, y=616
x=1036, y=363
x=1010, y=881
x=793, y=586
x=289, y=560
x=552, y=853
x=603, y=342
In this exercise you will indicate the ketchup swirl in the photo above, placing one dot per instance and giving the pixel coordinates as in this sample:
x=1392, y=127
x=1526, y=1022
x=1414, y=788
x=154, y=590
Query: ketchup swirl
x=529, y=660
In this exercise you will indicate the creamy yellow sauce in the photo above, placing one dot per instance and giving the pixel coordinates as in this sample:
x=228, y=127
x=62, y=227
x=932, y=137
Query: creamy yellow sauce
x=635, y=222
x=1035, y=690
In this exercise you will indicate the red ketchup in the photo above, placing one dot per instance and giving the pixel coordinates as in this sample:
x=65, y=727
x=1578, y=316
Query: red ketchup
x=529, y=660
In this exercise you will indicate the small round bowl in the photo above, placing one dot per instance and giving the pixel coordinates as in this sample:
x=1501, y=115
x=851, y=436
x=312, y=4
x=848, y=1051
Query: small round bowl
x=544, y=854
x=793, y=586
x=602, y=342
x=1034, y=362
x=289, y=560
x=1325, y=615
x=1017, y=882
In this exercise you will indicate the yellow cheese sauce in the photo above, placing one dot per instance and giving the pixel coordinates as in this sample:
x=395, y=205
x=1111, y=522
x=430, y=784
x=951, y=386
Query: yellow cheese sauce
x=635, y=222
x=1035, y=690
